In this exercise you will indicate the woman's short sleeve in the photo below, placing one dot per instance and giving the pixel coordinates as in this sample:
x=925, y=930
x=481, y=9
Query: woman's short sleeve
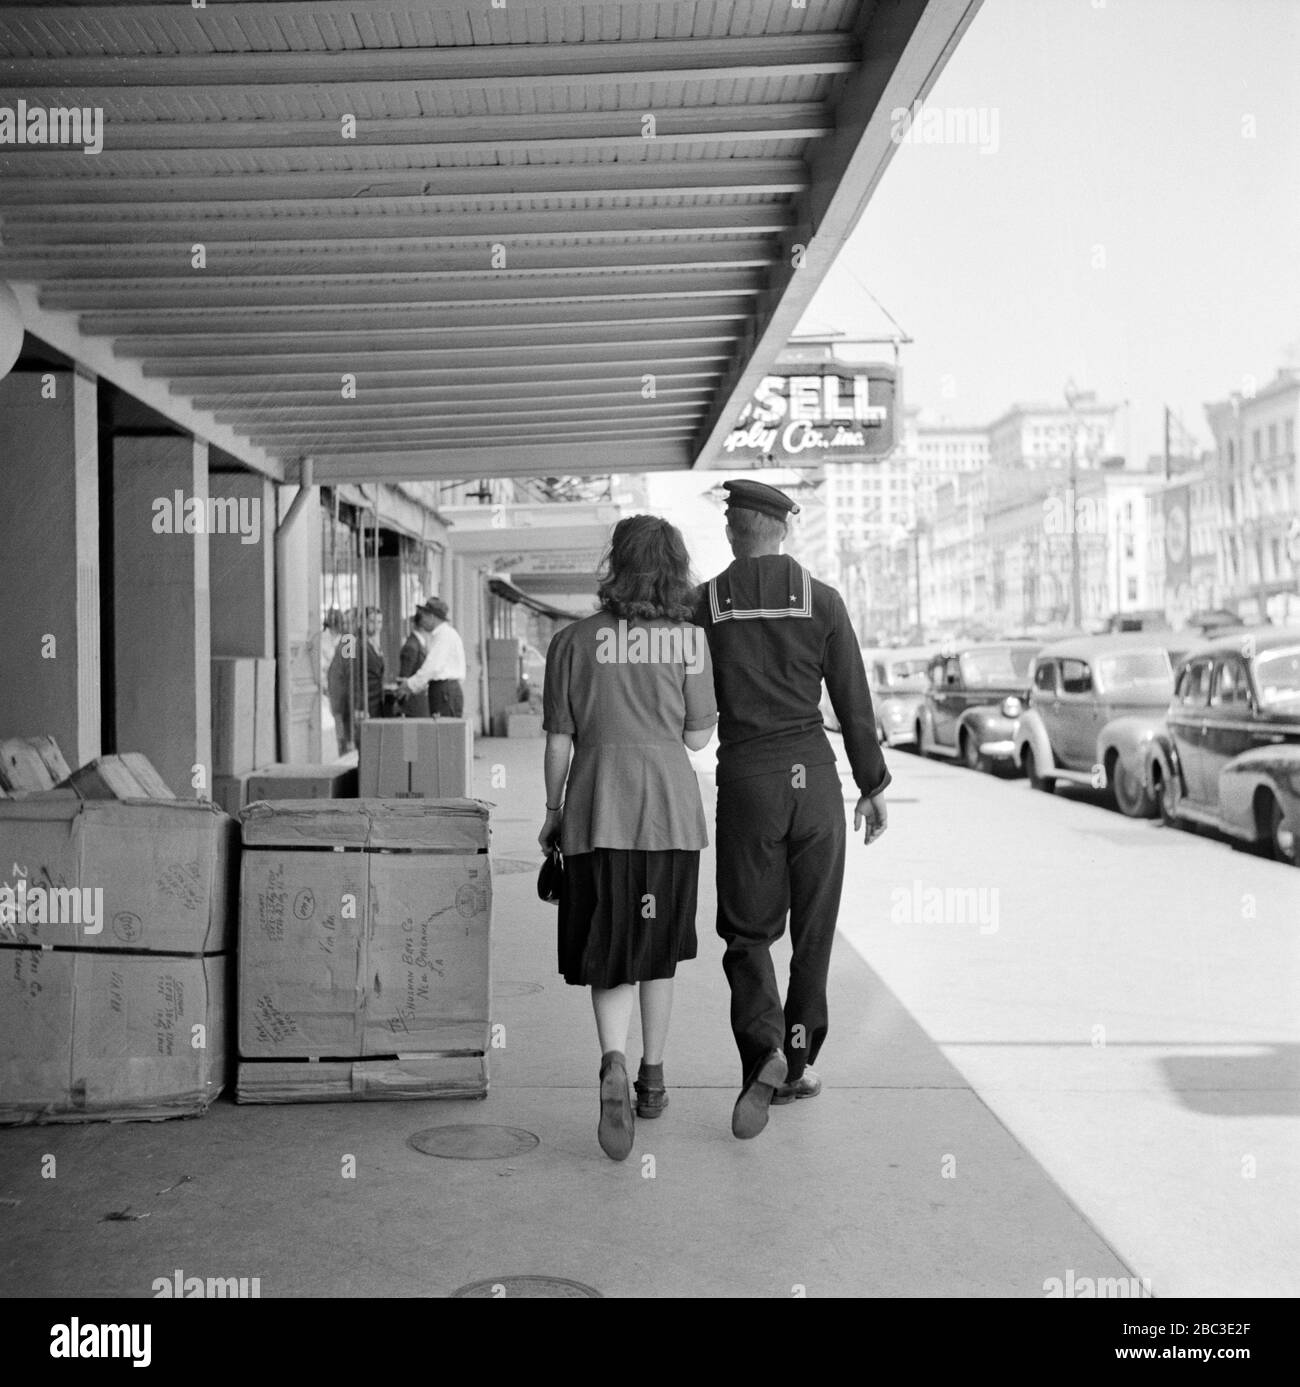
x=701, y=703
x=557, y=713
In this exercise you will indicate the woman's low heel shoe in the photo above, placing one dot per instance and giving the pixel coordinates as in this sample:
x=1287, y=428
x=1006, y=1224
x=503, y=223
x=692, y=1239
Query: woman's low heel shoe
x=616, y=1122
x=651, y=1099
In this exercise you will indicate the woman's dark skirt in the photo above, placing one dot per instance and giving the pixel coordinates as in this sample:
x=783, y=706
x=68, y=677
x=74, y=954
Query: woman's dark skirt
x=610, y=934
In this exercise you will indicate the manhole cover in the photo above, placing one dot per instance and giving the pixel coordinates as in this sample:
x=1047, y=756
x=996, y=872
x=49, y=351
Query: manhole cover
x=512, y=1287
x=515, y=989
x=473, y=1142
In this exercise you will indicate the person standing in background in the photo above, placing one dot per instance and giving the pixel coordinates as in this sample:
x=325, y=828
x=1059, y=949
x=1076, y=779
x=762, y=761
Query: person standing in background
x=443, y=668
x=412, y=656
x=346, y=695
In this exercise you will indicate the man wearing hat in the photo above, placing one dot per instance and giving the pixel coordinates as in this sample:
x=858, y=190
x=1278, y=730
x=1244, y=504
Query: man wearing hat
x=443, y=667
x=775, y=633
x=411, y=657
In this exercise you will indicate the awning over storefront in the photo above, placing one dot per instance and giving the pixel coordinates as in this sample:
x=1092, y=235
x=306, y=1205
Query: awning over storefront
x=500, y=588
x=441, y=238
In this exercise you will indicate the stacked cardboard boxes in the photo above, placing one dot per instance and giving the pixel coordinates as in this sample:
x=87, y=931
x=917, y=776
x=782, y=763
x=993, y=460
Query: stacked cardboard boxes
x=364, y=950
x=416, y=758
x=115, y=927
x=35, y=766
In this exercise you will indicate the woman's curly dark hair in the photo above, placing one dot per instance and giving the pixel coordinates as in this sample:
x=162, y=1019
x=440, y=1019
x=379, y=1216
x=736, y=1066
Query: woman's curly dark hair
x=646, y=572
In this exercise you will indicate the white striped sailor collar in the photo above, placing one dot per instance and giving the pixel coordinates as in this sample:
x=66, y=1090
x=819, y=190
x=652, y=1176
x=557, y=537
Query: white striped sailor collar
x=798, y=601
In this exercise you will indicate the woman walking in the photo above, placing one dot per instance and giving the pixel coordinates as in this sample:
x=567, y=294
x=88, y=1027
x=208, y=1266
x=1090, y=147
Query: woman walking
x=627, y=690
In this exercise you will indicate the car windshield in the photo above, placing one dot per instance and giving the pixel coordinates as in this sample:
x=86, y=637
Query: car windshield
x=1139, y=671
x=996, y=666
x=1277, y=675
x=907, y=676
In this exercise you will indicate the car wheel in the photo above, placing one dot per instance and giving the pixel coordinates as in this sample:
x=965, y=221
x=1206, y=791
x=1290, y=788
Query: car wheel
x=1132, y=797
x=1036, y=781
x=970, y=752
x=1283, y=838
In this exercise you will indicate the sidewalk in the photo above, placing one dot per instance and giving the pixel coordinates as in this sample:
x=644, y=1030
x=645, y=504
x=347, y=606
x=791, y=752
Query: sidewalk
x=844, y=1195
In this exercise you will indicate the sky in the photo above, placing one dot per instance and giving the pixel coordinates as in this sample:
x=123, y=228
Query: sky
x=1134, y=224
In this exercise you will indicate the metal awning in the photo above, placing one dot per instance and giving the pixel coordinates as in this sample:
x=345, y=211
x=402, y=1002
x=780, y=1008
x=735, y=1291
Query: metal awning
x=508, y=592
x=449, y=238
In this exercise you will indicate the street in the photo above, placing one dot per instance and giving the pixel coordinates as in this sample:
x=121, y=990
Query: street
x=1121, y=995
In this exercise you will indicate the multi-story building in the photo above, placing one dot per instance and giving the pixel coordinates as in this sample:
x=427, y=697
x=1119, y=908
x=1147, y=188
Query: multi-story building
x=1258, y=481
x=873, y=510
x=1036, y=436
x=1183, y=521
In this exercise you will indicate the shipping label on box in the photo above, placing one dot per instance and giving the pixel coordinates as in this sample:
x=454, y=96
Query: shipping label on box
x=234, y=702
x=96, y=1035
x=150, y=876
x=416, y=758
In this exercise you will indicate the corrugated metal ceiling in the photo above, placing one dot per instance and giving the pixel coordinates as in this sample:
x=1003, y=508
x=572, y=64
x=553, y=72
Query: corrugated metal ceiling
x=560, y=237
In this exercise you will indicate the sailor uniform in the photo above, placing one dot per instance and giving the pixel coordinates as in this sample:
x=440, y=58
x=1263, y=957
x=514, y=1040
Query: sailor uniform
x=775, y=633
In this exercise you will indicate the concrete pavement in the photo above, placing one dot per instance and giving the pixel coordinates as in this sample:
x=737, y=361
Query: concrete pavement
x=1133, y=1017
x=899, y=1180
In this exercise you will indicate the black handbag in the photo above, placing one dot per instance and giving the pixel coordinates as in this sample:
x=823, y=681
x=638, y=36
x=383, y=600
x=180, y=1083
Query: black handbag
x=550, y=877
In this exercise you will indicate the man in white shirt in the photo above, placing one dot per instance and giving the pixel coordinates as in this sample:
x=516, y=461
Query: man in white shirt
x=443, y=667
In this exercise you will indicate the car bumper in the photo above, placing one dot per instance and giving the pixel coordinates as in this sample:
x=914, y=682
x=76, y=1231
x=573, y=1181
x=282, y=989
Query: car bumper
x=998, y=749
x=900, y=736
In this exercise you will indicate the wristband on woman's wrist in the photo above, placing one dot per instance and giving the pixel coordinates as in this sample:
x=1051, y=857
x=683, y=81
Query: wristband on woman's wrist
x=554, y=808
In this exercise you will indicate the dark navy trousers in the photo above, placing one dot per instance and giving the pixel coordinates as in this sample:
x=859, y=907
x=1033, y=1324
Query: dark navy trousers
x=780, y=850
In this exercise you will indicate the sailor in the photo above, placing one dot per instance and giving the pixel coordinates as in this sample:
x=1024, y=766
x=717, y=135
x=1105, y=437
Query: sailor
x=775, y=633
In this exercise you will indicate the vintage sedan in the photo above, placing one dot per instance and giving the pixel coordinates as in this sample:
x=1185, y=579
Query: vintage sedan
x=1230, y=757
x=898, y=680
x=1095, y=705
x=975, y=695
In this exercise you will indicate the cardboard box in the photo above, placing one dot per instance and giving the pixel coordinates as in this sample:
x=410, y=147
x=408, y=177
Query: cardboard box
x=21, y=767
x=523, y=724
x=416, y=1076
x=94, y=1036
x=264, y=712
x=416, y=758
x=31, y=764
x=503, y=656
x=230, y=792
x=161, y=874
x=378, y=950
x=234, y=701
x=331, y=781
x=129, y=776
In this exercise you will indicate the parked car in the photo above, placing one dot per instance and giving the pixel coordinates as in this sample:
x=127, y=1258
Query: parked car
x=1095, y=704
x=974, y=697
x=898, y=680
x=1230, y=756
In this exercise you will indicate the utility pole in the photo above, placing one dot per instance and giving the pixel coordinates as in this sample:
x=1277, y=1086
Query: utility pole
x=1076, y=601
